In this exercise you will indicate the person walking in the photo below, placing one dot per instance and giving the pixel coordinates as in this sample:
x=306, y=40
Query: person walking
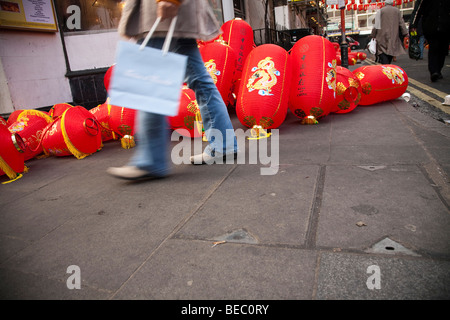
x=196, y=21
x=389, y=29
x=435, y=18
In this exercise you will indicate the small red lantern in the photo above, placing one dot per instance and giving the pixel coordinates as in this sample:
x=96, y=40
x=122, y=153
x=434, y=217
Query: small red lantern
x=107, y=77
x=313, y=88
x=12, y=148
x=122, y=121
x=264, y=90
x=220, y=61
x=58, y=109
x=348, y=91
x=188, y=117
x=381, y=83
x=76, y=133
x=30, y=125
x=102, y=115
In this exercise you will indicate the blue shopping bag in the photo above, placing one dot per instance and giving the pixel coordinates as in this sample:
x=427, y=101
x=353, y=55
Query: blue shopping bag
x=146, y=78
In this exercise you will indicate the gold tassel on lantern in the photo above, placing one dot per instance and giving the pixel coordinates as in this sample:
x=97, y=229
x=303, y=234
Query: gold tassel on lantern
x=309, y=120
x=127, y=142
x=258, y=132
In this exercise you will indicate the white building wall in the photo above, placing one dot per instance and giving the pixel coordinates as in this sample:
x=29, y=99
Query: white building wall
x=34, y=70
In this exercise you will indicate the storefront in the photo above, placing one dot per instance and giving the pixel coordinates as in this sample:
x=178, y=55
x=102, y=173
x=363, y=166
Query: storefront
x=58, y=51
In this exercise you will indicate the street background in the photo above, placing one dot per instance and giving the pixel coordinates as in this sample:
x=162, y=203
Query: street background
x=358, y=192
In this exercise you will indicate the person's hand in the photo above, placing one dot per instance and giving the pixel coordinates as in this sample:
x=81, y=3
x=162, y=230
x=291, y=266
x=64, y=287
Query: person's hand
x=167, y=10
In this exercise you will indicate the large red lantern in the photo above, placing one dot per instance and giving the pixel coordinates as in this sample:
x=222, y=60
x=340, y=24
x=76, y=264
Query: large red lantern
x=76, y=133
x=11, y=153
x=348, y=91
x=381, y=83
x=313, y=89
x=264, y=90
x=30, y=125
x=238, y=34
x=188, y=118
x=220, y=61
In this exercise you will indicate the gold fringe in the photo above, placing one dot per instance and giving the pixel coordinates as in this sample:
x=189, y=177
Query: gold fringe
x=7, y=169
x=128, y=142
x=257, y=132
x=309, y=120
x=33, y=112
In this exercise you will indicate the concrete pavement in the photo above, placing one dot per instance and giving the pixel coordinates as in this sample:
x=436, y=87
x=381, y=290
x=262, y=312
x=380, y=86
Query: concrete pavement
x=359, y=209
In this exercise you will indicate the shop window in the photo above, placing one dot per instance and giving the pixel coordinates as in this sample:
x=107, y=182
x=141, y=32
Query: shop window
x=239, y=9
x=77, y=16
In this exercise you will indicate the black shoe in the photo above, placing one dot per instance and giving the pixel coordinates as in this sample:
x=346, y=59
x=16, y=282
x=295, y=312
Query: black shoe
x=435, y=76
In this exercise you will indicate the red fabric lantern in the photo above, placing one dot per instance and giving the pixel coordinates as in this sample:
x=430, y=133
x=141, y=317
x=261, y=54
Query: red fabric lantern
x=361, y=56
x=13, y=116
x=3, y=121
x=58, y=109
x=381, y=83
x=102, y=115
x=122, y=120
x=352, y=58
x=76, y=133
x=313, y=88
x=264, y=90
x=238, y=34
x=107, y=77
x=30, y=125
x=348, y=91
x=188, y=114
x=220, y=61
x=11, y=153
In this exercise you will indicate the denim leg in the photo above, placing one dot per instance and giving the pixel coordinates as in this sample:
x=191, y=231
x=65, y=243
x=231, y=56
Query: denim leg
x=152, y=137
x=213, y=110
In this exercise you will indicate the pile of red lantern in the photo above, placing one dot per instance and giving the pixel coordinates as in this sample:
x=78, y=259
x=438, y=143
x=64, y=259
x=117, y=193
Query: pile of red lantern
x=260, y=83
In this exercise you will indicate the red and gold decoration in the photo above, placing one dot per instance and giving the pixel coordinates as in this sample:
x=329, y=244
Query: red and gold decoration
x=30, y=125
x=238, y=34
x=313, y=89
x=102, y=114
x=263, y=96
x=12, y=148
x=76, y=132
x=348, y=91
x=58, y=109
x=381, y=83
x=122, y=122
x=220, y=60
x=188, y=121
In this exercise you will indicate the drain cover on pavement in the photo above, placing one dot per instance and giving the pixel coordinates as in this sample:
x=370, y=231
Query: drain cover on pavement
x=388, y=246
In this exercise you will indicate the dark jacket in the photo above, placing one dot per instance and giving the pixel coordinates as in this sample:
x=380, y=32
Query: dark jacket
x=435, y=16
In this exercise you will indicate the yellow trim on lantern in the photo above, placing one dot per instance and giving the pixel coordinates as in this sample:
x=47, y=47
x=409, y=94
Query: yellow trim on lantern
x=257, y=132
x=78, y=154
x=7, y=169
x=34, y=113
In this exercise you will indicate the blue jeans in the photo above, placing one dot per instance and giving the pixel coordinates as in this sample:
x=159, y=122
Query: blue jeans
x=151, y=151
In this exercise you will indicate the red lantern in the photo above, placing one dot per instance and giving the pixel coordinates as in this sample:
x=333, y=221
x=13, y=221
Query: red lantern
x=11, y=153
x=58, y=109
x=107, y=77
x=13, y=116
x=352, y=58
x=238, y=34
x=361, y=56
x=220, y=61
x=102, y=115
x=30, y=125
x=76, y=133
x=348, y=91
x=264, y=90
x=381, y=83
x=314, y=77
x=3, y=121
x=122, y=120
x=188, y=117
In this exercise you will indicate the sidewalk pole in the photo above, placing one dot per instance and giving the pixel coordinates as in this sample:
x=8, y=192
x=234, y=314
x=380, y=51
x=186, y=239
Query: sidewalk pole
x=344, y=44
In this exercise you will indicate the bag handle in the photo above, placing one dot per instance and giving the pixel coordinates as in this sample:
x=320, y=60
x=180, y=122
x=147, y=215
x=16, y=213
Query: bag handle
x=166, y=45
